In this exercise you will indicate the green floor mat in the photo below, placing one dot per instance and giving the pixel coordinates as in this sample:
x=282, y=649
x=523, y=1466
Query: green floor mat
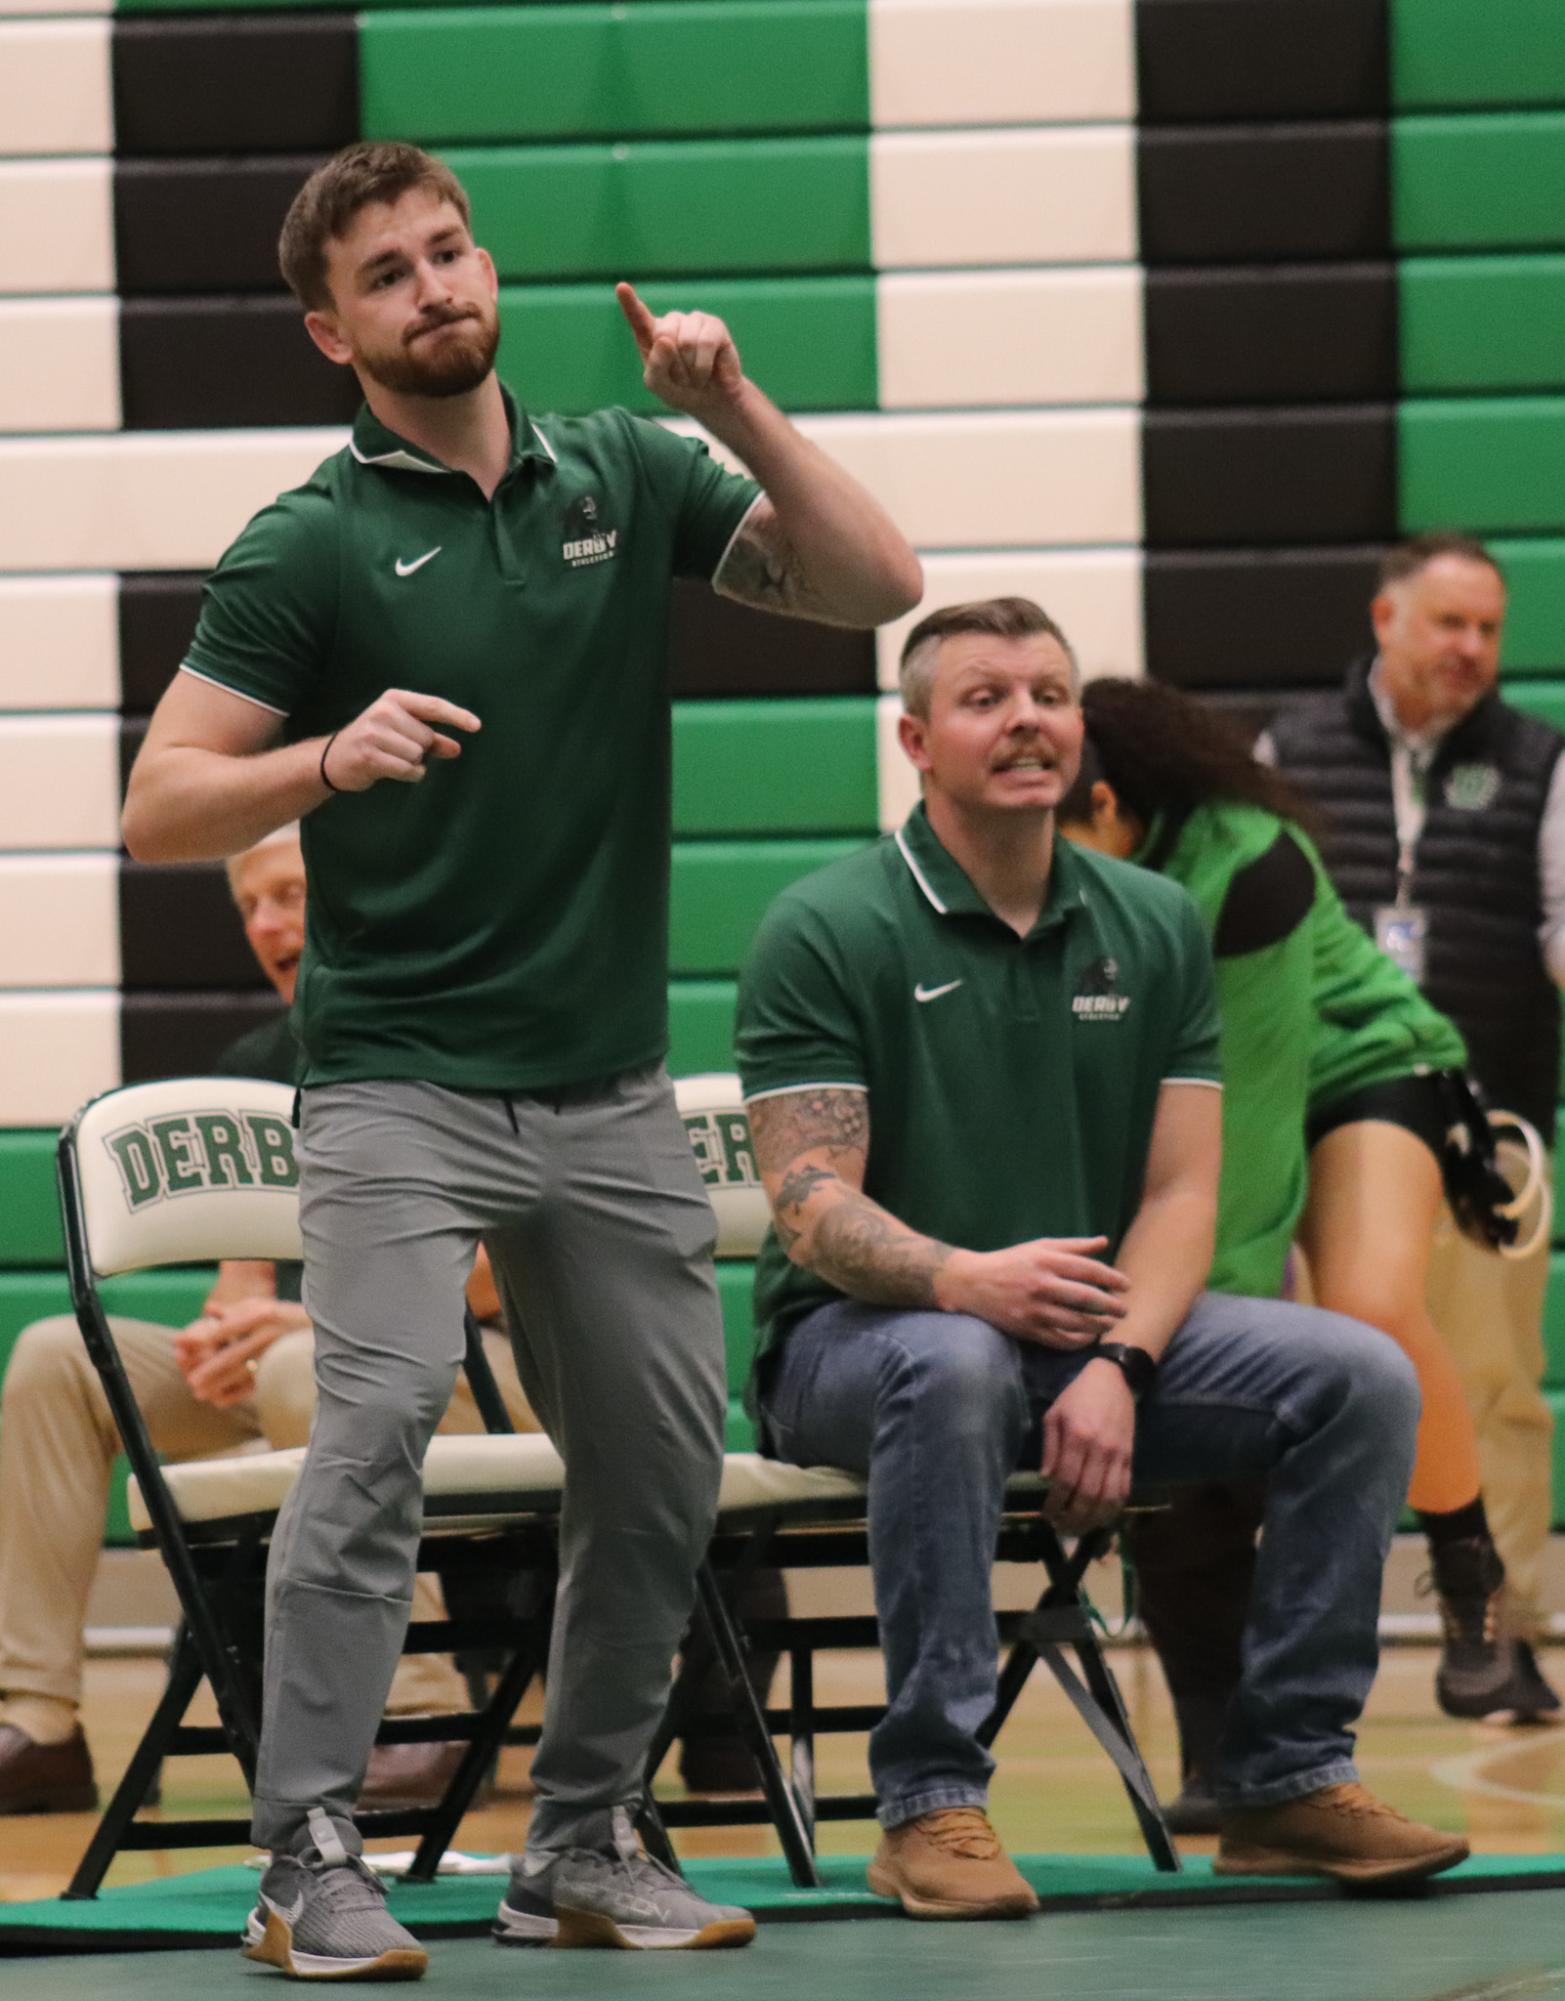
x=208, y=1906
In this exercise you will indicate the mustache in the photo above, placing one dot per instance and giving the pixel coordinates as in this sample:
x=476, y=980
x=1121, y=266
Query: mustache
x=442, y=319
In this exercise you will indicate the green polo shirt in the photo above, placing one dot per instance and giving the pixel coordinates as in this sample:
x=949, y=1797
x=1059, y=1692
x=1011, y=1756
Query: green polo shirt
x=1012, y=1081
x=503, y=924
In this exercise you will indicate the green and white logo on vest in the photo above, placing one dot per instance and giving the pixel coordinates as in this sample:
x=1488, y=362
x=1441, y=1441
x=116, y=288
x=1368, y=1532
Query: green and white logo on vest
x=1097, y=996
x=1472, y=788
x=202, y=1153
x=723, y=1149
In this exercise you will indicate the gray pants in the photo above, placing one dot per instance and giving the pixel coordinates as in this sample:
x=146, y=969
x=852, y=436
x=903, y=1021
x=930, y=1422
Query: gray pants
x=600, y=1234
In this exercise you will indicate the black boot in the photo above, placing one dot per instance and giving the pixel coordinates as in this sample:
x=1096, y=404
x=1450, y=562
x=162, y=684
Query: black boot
x=1535, y=1696
x=1477, y=1673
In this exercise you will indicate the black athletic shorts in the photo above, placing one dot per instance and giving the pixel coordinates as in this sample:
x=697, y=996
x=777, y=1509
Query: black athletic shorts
x=1410, y=1102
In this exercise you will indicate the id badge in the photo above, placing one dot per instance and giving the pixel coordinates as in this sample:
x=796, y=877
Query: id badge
x=1402, y=933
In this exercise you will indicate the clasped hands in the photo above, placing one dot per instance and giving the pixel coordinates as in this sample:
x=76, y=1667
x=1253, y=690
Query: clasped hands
x=218, y=1353
x=1058, y=1292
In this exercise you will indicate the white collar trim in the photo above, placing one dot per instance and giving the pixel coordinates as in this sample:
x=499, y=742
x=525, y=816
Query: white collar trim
x=402, y=461
x=918, y=874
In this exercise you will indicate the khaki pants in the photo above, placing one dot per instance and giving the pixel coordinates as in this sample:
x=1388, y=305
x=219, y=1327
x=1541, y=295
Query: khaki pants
x=57, y=1445
x=1490, y=1312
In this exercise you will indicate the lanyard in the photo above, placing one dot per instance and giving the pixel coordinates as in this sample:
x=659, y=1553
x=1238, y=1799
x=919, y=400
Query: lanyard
x=1408, y=771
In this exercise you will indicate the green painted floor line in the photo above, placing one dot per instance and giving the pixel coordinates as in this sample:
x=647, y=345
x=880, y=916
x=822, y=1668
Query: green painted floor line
x=207, y=1907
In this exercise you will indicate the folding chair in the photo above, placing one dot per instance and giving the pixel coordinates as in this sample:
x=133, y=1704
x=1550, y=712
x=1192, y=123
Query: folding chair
x=194, y=1171
x=791, y=1517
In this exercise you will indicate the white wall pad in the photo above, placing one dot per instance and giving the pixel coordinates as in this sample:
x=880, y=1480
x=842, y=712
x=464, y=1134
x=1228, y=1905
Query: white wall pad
x=145, y=500
x=59, y=916
x=61, y=1049
x=1093, y=595
x=59, y=782
x=59, y=364
x=56, y=87
x=1010, y=337
x=59, y=642
x=1024, y=478
x=56, y=7
x=56, y=226
x=1044, y=196
x=898, y=781
x=1000, y=62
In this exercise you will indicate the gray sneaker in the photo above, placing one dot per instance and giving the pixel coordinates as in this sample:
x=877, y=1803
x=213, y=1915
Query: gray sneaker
x=321, y=1915
x=615, y=1896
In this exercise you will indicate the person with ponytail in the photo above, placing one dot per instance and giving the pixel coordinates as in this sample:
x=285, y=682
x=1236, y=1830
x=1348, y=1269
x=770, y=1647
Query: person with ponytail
x=1334, y=1125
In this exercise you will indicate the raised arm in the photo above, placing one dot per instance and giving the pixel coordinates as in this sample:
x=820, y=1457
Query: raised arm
x=818, y=545
x=212, y=779
x=812, y=1147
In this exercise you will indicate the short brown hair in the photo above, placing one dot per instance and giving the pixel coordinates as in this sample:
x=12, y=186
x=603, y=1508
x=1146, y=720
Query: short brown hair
x=1004, y=618
x=374, y=170
x=1419, y=551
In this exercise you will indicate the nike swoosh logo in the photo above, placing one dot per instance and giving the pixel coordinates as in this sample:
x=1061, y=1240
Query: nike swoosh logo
x=418, y=562
x=923, y=993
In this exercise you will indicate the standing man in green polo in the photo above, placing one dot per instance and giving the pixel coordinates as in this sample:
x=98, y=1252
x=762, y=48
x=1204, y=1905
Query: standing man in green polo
x=445, y=655
x=982, y=1074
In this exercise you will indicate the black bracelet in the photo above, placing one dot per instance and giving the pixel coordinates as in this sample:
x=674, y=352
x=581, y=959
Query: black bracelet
x=326, y=746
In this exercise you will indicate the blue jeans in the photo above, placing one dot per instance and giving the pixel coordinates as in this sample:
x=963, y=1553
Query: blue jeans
x=935, y=1410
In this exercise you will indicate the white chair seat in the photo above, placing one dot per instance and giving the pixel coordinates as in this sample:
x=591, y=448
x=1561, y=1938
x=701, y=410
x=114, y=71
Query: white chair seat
x=500, y=1476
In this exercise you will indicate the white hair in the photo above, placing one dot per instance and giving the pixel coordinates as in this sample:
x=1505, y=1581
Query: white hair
x=271, y=840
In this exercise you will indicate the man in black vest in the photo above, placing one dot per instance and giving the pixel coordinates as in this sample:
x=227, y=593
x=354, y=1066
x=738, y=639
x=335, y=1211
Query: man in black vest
x=1445, y=834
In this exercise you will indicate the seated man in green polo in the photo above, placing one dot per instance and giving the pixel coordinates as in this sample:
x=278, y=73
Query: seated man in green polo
x=981, y=1068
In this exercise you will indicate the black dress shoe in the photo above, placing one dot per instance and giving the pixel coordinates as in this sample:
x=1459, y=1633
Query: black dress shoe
x=1194, y=1809
x=1535, y=1698
x=45, y=1778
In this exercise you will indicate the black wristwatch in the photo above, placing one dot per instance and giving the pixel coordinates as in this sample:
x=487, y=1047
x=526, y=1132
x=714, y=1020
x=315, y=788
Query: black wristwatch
x=1134, y=1364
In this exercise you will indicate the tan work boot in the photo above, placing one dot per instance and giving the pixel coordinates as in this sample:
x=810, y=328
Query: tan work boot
x=950, y=1865
x=1341, y=1831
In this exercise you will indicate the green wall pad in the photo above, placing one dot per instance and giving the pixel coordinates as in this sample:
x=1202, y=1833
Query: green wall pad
x=1471, y=52
x=700, y=1026
x=1491, y=464
x=1495, y=181
x=775, y=767
x=614, y=72
x=736, y=1286
x=721, y=890
x=29, y=1200
x=809, y=341
x=1544, y=699
x=653, y=209
x=1471, y=323
x=1535, y=618
x=1554, y=1326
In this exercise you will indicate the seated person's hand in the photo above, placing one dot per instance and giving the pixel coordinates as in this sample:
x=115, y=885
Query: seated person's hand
x=218, y=1352
x=1052, y=1290
x=1089, y=1434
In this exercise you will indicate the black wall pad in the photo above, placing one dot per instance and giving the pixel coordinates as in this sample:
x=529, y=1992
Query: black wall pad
x=1246, y=617
x=236, y=83
x=202, y=225
x=1264, y=194
x=722, y=648
x=157, y=615
x=179, y=929
x=214, y=363
x=1254, y=709
x=1285, y=333
x=1200, y=59
x=180, y=1035
x=1226, y=479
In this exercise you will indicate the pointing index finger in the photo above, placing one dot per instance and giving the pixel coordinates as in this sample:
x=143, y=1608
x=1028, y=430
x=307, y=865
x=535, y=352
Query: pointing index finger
x=637, y=317
x=435, y=709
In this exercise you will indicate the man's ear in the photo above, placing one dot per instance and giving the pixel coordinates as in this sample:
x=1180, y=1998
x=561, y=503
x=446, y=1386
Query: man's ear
x=1382, y=613
x=913, y=734
x=494, y=277
x=322, y=329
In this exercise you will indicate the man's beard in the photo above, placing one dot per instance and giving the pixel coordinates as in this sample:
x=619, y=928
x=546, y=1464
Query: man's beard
x=452, y=367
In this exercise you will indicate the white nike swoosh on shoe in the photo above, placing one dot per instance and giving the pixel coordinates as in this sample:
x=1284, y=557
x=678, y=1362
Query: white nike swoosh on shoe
x=418, y=562
x=923, y=993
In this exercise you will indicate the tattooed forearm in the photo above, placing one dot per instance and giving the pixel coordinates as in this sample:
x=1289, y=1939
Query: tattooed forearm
x=764, y=569
x=869, y=1255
